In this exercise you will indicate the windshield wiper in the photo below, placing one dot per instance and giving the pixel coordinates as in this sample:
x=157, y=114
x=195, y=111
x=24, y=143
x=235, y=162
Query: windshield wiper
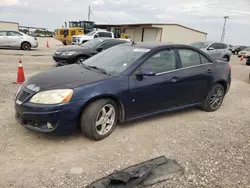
x=100, y=69
x=85, y=66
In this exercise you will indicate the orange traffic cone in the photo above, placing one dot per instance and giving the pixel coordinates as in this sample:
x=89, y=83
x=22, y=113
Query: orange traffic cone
x=20, y=73
x=47, y=44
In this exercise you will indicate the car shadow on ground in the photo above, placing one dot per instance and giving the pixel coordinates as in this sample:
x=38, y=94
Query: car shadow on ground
x=18, y=49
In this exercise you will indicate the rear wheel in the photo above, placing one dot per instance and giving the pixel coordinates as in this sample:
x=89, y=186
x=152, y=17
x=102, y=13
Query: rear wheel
x=99, y=119
x=226, y=58
x=25, y=46
x=214, y=98
x=81, y=59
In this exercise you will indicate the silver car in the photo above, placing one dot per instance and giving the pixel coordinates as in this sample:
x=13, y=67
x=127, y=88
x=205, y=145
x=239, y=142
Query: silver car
x=216, y=50
x=17, y=39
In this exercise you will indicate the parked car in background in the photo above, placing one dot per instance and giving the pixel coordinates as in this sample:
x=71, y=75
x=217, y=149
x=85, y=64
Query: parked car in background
x=216, y=50
x=77, y=54
x=244, y=53
x=79, y=39
x=123, y=83
x=17, y=39
x=248, y=60
x=237, y=49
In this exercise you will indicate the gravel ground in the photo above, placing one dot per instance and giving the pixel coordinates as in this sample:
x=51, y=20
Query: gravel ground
x=213, y=148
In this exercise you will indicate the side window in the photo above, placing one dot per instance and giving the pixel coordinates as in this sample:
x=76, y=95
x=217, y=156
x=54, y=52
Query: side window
x=104, y=34
x=204, y=60
x=3, y=33
x=107, y=45
x=189, y=58
x=162, y=61
x=13, y=33
x=223, y=46
x=215, y=45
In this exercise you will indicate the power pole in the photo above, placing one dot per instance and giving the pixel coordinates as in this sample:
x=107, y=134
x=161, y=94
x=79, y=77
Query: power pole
x=89, y=12
x=224, y=29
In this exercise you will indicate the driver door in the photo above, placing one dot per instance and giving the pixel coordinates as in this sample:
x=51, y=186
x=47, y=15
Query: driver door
x=154, y=93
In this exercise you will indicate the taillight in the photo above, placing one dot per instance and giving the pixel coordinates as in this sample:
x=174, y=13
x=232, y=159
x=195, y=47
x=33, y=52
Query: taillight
x=229, y=67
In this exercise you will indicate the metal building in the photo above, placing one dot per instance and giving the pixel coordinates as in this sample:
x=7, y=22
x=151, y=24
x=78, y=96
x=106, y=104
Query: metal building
x=9, y=25
x=151, y=32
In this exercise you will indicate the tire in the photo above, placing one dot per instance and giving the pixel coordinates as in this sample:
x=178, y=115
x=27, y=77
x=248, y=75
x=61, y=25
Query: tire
x=25, y=46
x=226, y=58
x=81, y=59
x=207, y=103
x=92, y=113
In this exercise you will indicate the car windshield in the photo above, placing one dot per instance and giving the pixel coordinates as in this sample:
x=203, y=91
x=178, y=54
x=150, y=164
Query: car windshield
x=116, y=59
x=90, y=33
x=199, y=45
x=92, y=43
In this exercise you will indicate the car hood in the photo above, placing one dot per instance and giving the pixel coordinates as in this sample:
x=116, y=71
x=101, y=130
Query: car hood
x=70, y=76
x=72, y=48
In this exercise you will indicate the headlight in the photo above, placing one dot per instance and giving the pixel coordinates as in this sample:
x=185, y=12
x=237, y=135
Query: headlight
x=68, y=53
x=52, y=96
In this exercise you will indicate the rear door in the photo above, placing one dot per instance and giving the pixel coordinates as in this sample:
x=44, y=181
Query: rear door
x=3, y=38
x=196, y=76
x=216, y=52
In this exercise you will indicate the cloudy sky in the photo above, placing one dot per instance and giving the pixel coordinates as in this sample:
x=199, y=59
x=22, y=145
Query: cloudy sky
x=204, y=15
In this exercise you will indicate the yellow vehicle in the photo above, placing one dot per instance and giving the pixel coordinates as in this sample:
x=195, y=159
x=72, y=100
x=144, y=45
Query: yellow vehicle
x=65, y=34
x=124, y=36
x=75, y=28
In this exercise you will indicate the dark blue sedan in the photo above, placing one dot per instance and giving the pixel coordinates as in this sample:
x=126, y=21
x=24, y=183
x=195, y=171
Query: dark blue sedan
x=123, y=83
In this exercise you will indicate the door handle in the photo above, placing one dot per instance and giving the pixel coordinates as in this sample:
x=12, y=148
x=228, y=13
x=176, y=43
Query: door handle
x=209, y=71
x=174, y=79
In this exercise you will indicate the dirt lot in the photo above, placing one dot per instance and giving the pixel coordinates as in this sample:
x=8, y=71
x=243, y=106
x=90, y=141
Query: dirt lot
x=214, y=148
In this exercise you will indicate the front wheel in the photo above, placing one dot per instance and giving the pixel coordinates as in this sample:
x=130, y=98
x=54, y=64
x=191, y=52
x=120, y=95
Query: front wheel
x=81, y=59
x=99, y=119
x=25, y=46
x=214, y=98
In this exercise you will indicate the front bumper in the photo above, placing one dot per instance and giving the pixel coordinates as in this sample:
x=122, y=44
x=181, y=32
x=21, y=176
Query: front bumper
x=62, y=119
x=64, y=60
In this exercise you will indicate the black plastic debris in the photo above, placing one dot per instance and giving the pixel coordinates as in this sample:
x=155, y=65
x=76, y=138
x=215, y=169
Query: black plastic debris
x=143, y=174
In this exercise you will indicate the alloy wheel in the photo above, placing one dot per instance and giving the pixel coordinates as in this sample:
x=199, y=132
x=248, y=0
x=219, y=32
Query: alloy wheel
x=105, y=119
x=216, y=98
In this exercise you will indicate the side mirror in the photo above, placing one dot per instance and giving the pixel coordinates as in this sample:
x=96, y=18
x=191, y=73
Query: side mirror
x=210, y=48
x=99, y=49
x=144, y=72
x=96, y=35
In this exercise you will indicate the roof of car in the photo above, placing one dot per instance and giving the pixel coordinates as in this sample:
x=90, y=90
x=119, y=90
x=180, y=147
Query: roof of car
x=151, y=45
x=108, y=38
